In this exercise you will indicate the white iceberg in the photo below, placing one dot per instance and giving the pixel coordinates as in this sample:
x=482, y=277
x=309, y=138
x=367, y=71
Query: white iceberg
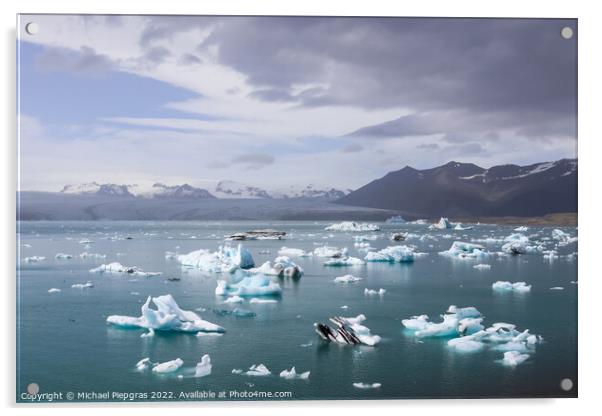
x=63, y=256
x=259, y=300
x=521, y=229
x=54, y=290
x=348, y=278
x=557, y=288
x=293, y=252
x=257, y=285
x=143, y=364
x=563, y=238
x=225, y=259
x=459, y=227
x=86, y=255
x=514, y=358
x=234, y=299
x=292, y=374
x=351, y=226
x=344, y=261
x=457, y=321
x=283, y=267
x=392, y=254
x=86, y=285
x=118, y=268
x=34, y=259
x=204, y=367
x=372, y=292
x=367, y=385
x=168, y=366
x=442, y=224
x=259, y=370
x=466, y=344
x=167, y=317
x=518, y=243
x=461, y=250
x=482, y=266
x=503, y=286
x=326, y=251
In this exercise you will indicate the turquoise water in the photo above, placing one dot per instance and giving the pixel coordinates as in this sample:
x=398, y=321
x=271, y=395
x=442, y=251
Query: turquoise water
x=65, y=345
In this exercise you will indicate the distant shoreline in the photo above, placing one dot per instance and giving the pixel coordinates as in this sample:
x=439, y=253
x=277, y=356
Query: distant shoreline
x=560, y=219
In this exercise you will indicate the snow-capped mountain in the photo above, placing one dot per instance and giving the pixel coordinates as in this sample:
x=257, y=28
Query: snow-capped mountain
x=231, y=189
x=185, y=191
x=464, y=189
x=94, y=188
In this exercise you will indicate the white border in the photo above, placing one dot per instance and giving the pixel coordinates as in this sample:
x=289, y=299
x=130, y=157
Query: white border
x=590, y=157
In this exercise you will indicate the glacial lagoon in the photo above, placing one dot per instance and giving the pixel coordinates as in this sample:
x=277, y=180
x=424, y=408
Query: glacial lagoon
x=65, y=344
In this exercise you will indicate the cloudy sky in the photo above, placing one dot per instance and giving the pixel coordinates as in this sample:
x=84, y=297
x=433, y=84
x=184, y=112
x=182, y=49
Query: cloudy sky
x=274, y=102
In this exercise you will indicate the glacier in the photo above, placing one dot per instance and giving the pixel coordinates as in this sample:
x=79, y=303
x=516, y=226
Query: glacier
x=351, y=226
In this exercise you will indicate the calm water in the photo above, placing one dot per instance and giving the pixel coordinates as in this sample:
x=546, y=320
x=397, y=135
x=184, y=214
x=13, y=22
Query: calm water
x=64, y=343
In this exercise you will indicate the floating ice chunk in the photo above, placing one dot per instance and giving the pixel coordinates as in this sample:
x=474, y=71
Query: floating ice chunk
x=514, y=358
x=521, y=229
x=283, y=267
x=457, y=321
x=348, y=278
x=563, y=238
x=33, y=259
x=416, y=323
x=149, y=334
x=503, y=286
x=292, y=374
x=86, y=241
x=399, y=254
x=225, y=259
x=293, y=252
x=347, y=331
x=258, y=300
x=519, y=244
x=557, y=288
x=465, y=344
x=365, y=237
x=86, y=285
x=267, y=234
x=372, y=292
x=333, y=252
x=397, y=219
x=344, y=261
x=86, y=255
x=143, y=364
x=54, y=290
x=461, y=250
x=442, y=224
x=550, y=255
x=461, y=313
x=459, y=227
x=168, y=366
x=351, y=226
x=118, y=268
x=63, y=256
x=257, y=285
x=482, y=266
x=204, y=367
x=367, y=385
x=234, y=299
x=170, y=255
x=258, y=370
x=167, y=317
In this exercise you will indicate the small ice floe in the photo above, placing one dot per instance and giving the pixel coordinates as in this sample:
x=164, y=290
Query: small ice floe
x=344, y=307
x=351, y=226
x=293, y=252
x=482, y=266
x=372, y=292
x=521, y=229
x=170, y=255
x=86, y=255
x=457, y=321
x=225, y=259
x=258, y=300
x=348, y=278
x=466, y=344
x=550, y=255
x=309, y=344
x=143, y=364
x=149, y=334
x=234, y=299
x=514, y=358
x=54, y=290
x=292, y=374
x=259, y=370
x=256, y=285
x=398, y=237
x=503, y=286
x=283, y=267
x=203, y=368
x=344, y=261
x=461, y=250
x=574, y=282
x=519, y=244
x=333, y=252
x=563, y=238
x=557, y=288
x=34, y=259
x=25, y=245
x=264, y=251
x=168, y=366
x=397, y=219
x=86, y=285
x=167, y=317
x=392, y=254
x=63, y=256
x=347, y=331
x=366, y=386
x=267, y=234
x=459, y=227
x=442, y=224
x=118, y=268
x=86, y=241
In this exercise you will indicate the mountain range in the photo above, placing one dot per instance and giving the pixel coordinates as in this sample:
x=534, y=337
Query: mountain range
x=467, y=190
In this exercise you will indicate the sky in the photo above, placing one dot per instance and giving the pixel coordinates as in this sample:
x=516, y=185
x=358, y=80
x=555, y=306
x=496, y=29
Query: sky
x=287, y=101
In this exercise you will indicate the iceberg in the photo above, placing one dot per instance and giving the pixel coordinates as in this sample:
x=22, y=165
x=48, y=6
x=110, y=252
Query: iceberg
x=86, y=255
x=255, y=370
x=167, y=317
x=118, y=268
x=293, y=252
x=267, y=234
x=461, y=250
x=347, y=279
x=502, y=286
x=204, y=367
x=392, y=254
x=292, y=374
x=258, y=300
x=143, y=364
x=459, y=227
x=63, y=256
x=283, y=267
x=482, y=266
x=333, y=252
x=54, y=290
x=351, y=226
x=344, y=261
x=372, y=292
x=457, y=321
x=234, y=299
x=347, y=331
x=367, y=385
x=521, y=229
x=225, y=259
x=518, y=243
x=168, y=366
x=563, y=238
x=557, y=288
x=466, y=344
x=442, y=224
x=514, y=358
x=34, y=259
x=257, y=285
x=397, y=219
x=86, y=285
